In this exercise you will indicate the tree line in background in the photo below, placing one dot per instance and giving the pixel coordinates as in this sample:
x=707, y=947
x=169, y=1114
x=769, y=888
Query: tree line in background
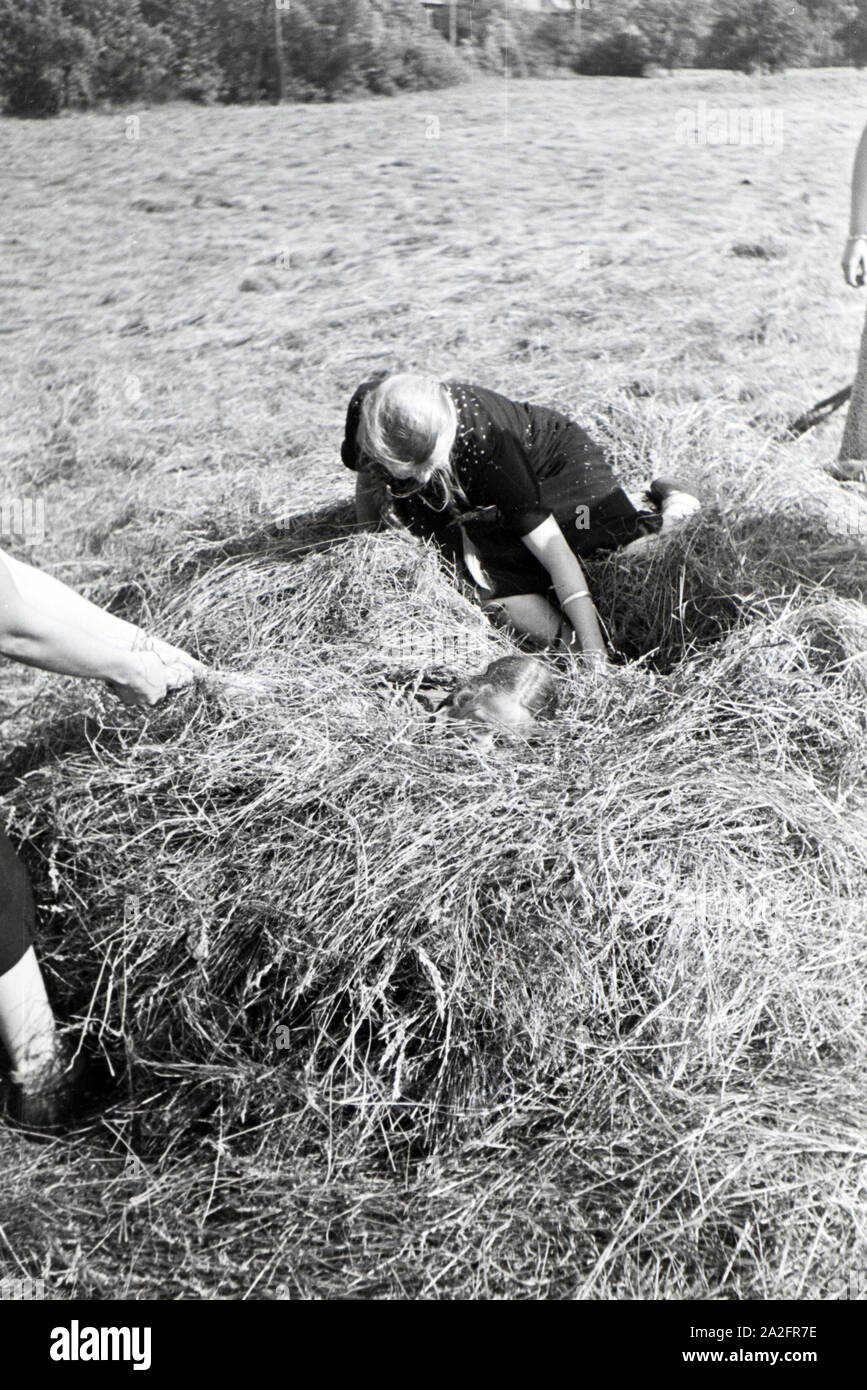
x=57, y=54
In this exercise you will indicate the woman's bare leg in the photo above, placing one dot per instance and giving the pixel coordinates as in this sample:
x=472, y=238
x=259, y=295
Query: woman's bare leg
x=533, y=616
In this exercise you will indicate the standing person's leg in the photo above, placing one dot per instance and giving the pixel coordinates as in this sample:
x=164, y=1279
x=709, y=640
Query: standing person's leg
x=42, y=1096
x=27, y=1028
x=851, y=463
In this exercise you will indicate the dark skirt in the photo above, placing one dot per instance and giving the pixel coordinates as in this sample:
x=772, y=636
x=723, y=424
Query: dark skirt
x=578, y=486
x=16, y=908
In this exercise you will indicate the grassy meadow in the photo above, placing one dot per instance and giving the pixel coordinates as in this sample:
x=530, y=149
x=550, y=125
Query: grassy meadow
x=394, y=1016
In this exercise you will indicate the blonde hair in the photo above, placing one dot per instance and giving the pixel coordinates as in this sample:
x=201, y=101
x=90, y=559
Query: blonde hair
x=410, y=419
x=529, y=684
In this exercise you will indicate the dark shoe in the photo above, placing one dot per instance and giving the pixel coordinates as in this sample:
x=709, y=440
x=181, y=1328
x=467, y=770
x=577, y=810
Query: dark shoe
x=51, y=1106
x=676, y=503
x=661, y=488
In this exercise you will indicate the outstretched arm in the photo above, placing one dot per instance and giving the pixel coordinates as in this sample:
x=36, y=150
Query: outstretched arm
x=45, y=627
x=43, y=591
x=550, y=547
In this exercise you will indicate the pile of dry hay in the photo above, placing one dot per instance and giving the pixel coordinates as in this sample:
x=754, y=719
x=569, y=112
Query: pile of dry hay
x=578, y=1015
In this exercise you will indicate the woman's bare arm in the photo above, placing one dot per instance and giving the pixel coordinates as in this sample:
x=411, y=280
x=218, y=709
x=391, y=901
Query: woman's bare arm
x=374, y=504
x=36, y=635
x=52, y=596
x=550, y=547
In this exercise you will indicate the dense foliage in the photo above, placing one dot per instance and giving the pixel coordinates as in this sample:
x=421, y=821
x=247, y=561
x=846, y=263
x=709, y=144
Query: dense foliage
x=56, y=54
x=59, y=53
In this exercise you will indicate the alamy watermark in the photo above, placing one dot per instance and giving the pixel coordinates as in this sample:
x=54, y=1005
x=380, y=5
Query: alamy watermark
x=735, y=125
x=851, y=1285
x=22, y=1290
x=77, y=1343
x=770, y=908
x=22, y=518
x=435, y=649
x=847, y=527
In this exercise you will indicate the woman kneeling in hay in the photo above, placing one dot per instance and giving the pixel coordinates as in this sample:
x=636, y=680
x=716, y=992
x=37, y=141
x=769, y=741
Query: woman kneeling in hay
x=45, y=624
x=516, y=493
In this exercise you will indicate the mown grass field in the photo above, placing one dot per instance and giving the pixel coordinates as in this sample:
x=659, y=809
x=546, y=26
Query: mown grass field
x=577, y=1019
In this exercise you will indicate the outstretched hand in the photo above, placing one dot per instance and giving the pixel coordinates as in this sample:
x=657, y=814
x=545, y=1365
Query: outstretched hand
x=855, y=261
x=151, y=676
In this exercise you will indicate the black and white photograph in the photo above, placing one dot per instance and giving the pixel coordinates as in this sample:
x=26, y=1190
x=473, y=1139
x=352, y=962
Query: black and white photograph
x=433, y=665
